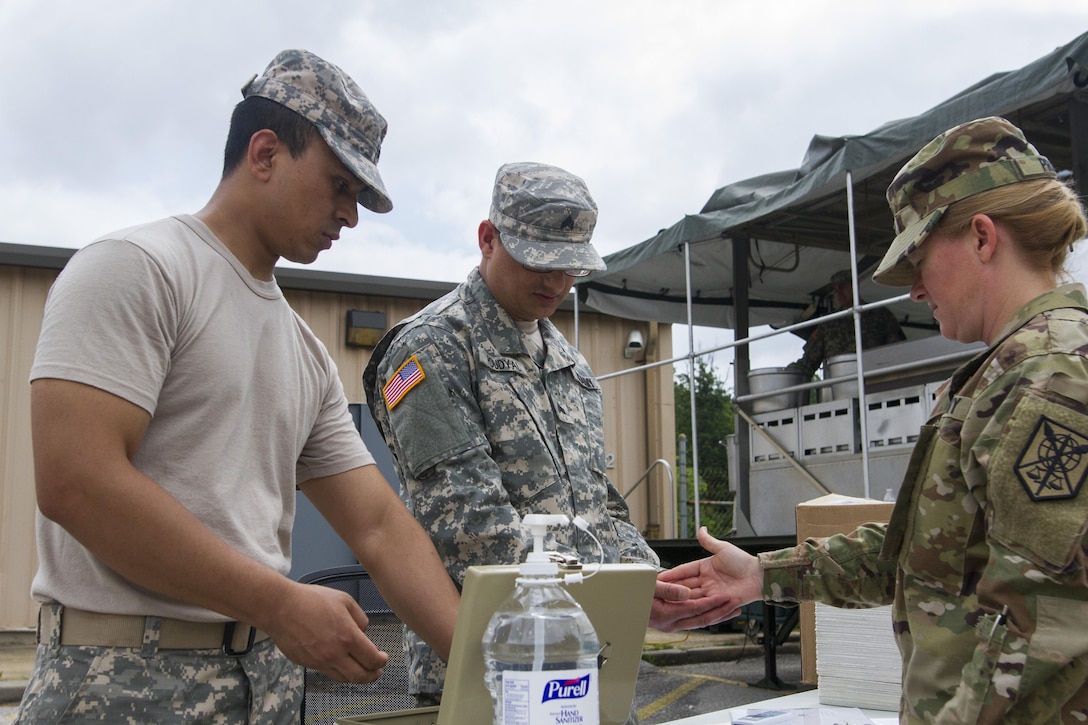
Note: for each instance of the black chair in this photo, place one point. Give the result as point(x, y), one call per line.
point(324, 700)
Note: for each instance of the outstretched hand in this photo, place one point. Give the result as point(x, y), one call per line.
point(716, 587)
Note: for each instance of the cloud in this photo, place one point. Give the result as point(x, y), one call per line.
point(115, 111)
point(656, 104)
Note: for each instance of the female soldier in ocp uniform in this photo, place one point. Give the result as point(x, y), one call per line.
point(984, 559)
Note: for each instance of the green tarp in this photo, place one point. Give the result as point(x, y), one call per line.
point(798, 221)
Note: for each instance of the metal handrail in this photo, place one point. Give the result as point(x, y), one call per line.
point(646, 474)
point(953, 357)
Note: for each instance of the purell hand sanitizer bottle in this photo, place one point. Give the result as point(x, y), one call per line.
point(540, 649)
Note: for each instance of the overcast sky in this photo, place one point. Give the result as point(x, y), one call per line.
point(114, 112)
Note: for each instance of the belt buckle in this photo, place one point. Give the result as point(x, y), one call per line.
point(228, 640)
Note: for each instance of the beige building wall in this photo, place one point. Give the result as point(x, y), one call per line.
point(639, 419)
point(22, 299)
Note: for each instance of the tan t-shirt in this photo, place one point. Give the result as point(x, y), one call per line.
point(245, 401)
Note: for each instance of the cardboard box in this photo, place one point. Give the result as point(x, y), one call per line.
point(825, 516)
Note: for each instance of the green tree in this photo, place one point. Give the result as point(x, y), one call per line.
point(715, 421)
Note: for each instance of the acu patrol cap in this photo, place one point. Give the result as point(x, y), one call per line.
point(971, 158)
point(327, 97)
point(545, 217)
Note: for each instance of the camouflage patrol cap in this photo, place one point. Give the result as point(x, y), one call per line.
point(843, 276)
point(971, 158)
point(327, 97)
point(545, 217)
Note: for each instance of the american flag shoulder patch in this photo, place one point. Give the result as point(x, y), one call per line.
point(408, 375)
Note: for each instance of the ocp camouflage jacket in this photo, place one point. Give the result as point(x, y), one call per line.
point(985, 556)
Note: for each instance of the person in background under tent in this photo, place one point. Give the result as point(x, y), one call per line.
point(836, 336)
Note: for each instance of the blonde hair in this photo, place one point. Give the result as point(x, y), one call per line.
point(1043, 216)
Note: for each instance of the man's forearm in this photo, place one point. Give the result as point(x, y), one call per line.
point(394, 549)
point(411, 578)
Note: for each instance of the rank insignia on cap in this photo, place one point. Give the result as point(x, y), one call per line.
point(1054, 462)
point(408, 375)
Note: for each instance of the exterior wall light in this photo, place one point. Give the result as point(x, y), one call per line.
point(364, 328)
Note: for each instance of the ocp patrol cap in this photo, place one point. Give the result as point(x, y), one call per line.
point(973, 157)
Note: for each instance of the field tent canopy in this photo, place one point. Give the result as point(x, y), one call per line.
point(794, 227)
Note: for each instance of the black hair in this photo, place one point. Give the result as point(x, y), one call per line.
point(257, 113)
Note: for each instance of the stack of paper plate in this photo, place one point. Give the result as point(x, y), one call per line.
point(857, 660)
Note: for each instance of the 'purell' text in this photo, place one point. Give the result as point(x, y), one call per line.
point(566, 689)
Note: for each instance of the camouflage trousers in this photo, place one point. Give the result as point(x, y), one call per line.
point(135, 686)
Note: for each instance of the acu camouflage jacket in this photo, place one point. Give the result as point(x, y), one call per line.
point(984, 559)
point(486, 436)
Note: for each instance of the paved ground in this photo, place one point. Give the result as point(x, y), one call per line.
point(681, 675)
point(710, 672)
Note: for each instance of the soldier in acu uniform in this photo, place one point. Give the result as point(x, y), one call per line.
point(177, 404)
point(489, 412)
point(984, 559)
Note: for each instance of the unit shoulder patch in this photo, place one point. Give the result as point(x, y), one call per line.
point(1053, 462)
point(407, 376)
